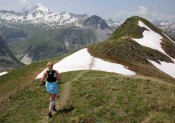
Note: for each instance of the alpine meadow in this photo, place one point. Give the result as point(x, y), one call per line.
point(120, 71)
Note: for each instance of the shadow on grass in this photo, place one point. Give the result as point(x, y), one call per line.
point(65, 110)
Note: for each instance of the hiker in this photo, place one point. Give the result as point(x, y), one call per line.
point(52, 77)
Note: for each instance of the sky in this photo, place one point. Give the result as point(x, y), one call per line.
point(115, 9)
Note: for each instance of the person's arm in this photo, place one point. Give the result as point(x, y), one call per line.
point(43, 77)
point(58, 76)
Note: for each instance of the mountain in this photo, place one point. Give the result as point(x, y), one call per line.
point(167, 27)
point(96, 22)
point(141, 47)
point(39, 14)
point(116, 80)
point(36, 33)
point(7, 59)
point(114, 24)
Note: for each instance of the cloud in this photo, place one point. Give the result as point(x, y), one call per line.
point(144, 12)
point(23, 2)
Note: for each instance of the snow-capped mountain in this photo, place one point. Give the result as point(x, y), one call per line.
point(112, 23)
point(34, 32)
point(40, 14)
point(167, 27)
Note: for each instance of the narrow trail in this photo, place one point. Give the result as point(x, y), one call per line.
point(63, 96)
point(66, 91)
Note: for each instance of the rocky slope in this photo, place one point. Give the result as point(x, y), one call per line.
point(7, 59)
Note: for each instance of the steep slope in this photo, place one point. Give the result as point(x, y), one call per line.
point(124, 47)
point(7, 59)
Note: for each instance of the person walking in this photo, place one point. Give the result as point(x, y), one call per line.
point(51, 85)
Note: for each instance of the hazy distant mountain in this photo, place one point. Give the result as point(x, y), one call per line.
point(7, 59)
point(39, 14)
point(167, 26)
point(96, 22)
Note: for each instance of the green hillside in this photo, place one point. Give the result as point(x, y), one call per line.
point(44, 42)
point(94, 97)
point(120, 48)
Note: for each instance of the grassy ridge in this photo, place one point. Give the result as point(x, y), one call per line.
point(111, 98)
point(96, 96)
point(120, 48)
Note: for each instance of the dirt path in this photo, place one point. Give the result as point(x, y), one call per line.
point(64, 95)
point(66, 91)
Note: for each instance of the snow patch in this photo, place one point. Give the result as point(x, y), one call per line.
point(3, 73)
point(153, 40)
point(82, 60)
point(102, 65)
point(150, 39)
point(168, 68)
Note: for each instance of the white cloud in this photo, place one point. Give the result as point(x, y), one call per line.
point(23, 2)
point(142, 10)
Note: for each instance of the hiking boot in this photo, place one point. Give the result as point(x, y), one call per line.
point(49, 114)
point(54, 108)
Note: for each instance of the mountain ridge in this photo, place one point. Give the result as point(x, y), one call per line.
point(122, 48)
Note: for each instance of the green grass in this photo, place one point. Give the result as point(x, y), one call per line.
point(108, 97)
point(24, 75)
point(29, 104)
point(95, 97)
point(44, 43)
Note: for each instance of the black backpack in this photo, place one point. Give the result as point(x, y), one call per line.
point(51, 77)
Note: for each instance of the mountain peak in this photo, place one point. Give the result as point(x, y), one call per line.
point(96, 21)
point(139, 45)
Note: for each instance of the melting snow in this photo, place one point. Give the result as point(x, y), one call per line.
point(3, 73)
point(150, 39)
point(153, 40)
point(168, 68)
point(82, 60)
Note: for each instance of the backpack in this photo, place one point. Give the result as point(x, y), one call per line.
point(51, 77)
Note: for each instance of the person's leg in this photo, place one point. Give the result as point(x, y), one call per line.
point(52, 102)
point(53, 96)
